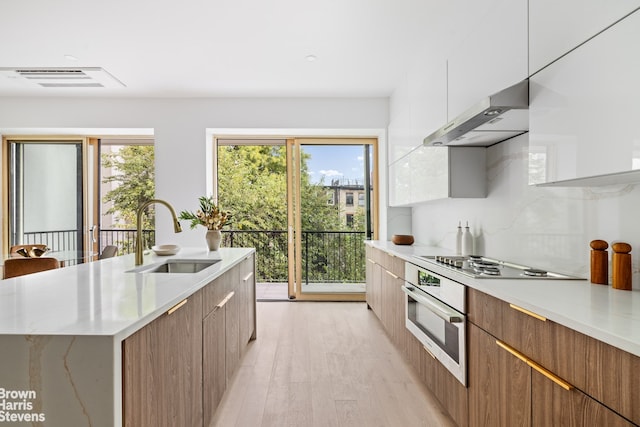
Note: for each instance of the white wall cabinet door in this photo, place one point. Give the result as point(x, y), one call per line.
point(418, 107)
point(556, 27)
point(400, 141)
point(400, 182)
point(584, 110)
point(433, 173)
point(491, 57)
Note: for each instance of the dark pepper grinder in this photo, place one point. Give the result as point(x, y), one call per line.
point(621, 264)
point(599, 262)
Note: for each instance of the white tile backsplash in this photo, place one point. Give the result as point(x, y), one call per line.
point(546, 227)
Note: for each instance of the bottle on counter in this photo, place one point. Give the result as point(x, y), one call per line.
point(467, 241)
point(599, 262)
point(459, 239)
point(621, 266)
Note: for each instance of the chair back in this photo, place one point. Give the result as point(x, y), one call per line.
point(109, 251)
point(14, 267)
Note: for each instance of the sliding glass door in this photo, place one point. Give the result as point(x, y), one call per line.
point(306, 205)
point(331, 215)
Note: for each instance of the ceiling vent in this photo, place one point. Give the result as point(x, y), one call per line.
point(86, 77)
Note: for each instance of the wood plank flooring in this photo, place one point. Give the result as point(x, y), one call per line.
point(325, 364)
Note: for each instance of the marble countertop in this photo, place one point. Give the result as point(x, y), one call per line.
point(102, 298)
point(604, 313)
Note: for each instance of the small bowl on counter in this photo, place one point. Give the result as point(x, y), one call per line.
point(165, 250)
point(402, 239)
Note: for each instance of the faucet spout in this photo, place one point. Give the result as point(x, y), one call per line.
point(139, 240)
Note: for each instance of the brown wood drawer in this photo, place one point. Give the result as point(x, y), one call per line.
point(389, 262)
point(219, 288)
point(485, 312)
point(602, 371)
point(374, 254)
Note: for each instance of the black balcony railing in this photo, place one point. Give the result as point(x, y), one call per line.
point(66, 240)
point(58, 240)
point(125, 239)
point(327, 256)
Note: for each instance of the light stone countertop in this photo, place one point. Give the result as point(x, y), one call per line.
point(101, 298)
point(604, 313)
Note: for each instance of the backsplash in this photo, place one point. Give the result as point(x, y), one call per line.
point(545, 227)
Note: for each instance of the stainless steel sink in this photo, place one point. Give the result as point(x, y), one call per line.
point(177, 266)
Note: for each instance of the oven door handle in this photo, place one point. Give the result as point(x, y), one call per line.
point(436, 307)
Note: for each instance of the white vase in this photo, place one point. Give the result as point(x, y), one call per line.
point(214, 237)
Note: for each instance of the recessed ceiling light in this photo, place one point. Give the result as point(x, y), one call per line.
point(310, 58)
point(70, 57)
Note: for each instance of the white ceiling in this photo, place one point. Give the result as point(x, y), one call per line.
point(216, 48)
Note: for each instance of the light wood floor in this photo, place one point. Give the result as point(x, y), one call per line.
point(324, 364)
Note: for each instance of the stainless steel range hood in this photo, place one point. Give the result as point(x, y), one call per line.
point(495, 118)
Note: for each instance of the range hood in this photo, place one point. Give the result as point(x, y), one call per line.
point(495, 118)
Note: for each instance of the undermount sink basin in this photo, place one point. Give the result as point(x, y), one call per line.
point(177, 266)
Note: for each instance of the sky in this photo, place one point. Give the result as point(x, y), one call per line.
point(335, 162)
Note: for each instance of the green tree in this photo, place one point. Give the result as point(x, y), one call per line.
point(252, 184)
point(134, 173)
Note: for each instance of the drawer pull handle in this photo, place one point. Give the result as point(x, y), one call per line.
point(226, 299)
point(527, 312)
point(513, 351)
point(544, 371)
point(177, 306)
point(553, 377)
point(428, 352)
point(391, 274)
point(247, 277)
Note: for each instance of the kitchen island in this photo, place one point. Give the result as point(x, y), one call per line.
point(64, 335)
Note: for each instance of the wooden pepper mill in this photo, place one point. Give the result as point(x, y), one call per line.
point(621, 265)
point(599, 262)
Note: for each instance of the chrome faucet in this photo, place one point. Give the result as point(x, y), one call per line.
point(139, 242)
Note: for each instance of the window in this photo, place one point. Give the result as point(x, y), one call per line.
point(349, 220)
point(360, 199)
point(331, 198)
point(349, 199)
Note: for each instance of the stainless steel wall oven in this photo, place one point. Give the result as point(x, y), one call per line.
point(435, 314)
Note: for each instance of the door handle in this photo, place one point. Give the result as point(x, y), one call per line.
point(436, 307)
point(544, 371)
point(177, 306)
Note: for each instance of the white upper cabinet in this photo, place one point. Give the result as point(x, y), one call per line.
point(399, 130)
point(399, 179)
point(418, 107)
point(584, 111)
point(491, 56)
point(556, 27)
point(432, 173)
point(428, 98)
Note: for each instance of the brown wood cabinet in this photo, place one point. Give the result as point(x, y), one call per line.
point(499, 383)
point(214, 369)
point(247, 290)
point(176, 369)
point(553, 406)
point(506, 386)
point(374, 286)
point(162, 369)
point(385, 276)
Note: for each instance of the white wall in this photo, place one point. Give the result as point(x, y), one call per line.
point(181, 126)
